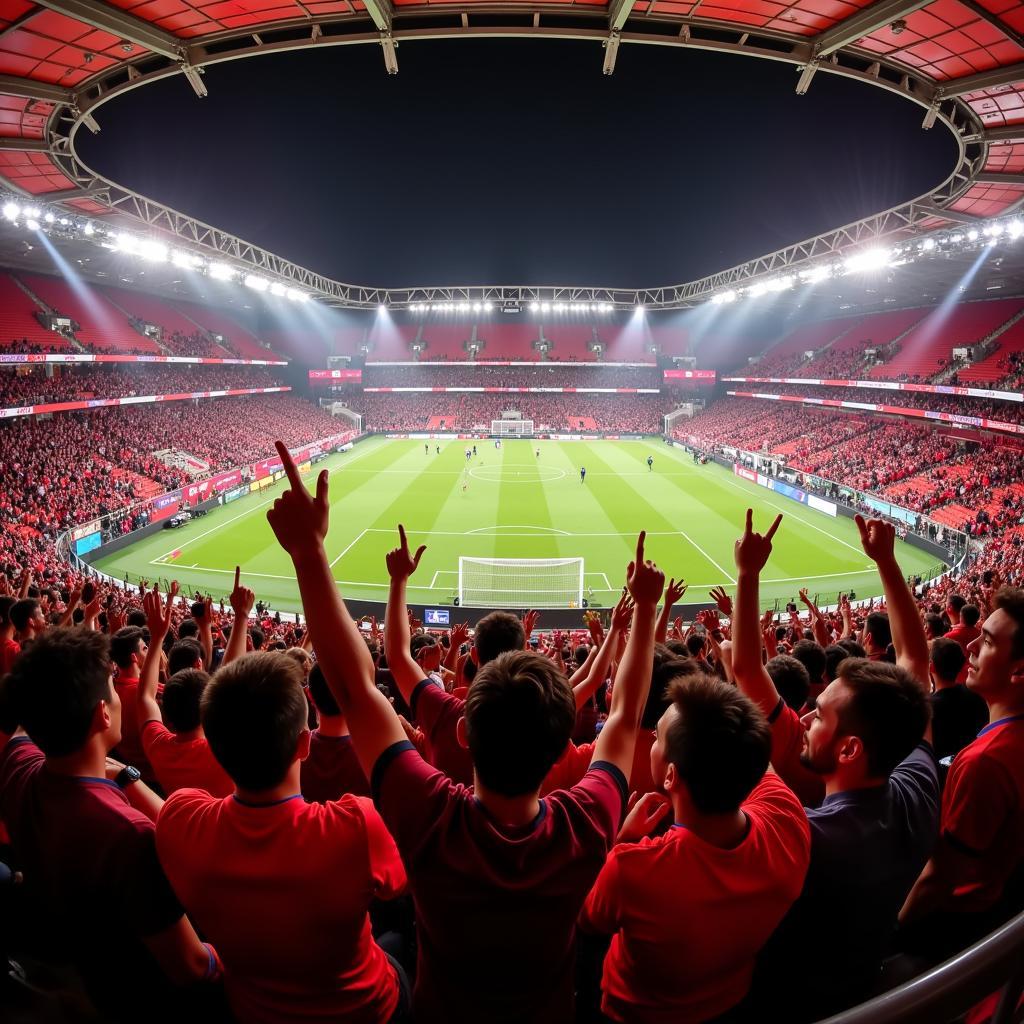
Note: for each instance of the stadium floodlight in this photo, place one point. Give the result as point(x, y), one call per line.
point(780, 284)
point(639, 308)
point(152, 250)
point(88, 229)
point(276, 288)
point(32, 211)
point(49, 218)
point(32, 224)
point(545, 307)
point(757, 289)
point(488, 306)
point(256, 283)
point(123, 242)
point(928, 244)
point(185, 260)
point(11, 211)
point(867, 260)
point(221, 272)
point(1015, 229)
point(64, 222)
point(534, 307)
point(295, 295)
point(815, 274)
point(972, 235)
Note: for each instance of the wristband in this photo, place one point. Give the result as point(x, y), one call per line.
point(214, 969)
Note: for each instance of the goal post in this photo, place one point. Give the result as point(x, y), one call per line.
point(672, 420)
point(511, 428)
point(521, 582)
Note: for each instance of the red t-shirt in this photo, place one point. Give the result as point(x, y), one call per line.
point(787, 742)
point(91, 871)
point(496, 906)
point(183, 764)
point(130, 749)
point(573, 765)
point(282, 890)
point(438, 714)
point(983, 811)
point(332, 770)
point(9, 650)
point(687, 918)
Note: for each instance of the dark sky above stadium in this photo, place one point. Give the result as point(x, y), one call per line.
point(518, 162)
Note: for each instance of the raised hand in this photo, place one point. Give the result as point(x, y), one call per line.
point(674, 591)
point(722, 600)
point(241, 598)
point(459, 635)
point(644, 580)
point(401, 564)
point(877, 537)
point(158, 615)
point(530, 620)
point(752, 549)
point(299, 520)
point(708, 618)
point(644, 814)
point(622, 613)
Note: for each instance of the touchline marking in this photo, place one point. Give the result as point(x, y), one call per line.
point(228, 522)
point(731, 579)
point(348, 549)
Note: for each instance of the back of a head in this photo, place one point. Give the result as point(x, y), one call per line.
point(956, 603)
point(253, 712)
point(667, 665)
point(56, 685)
point(496, 634)
point(852, 647)
point(182, 697)
point(188, 630)
point(22, 611)
point(420, 641)
point(520, 713)
point(791, 680)
point(935, 624)
point(969, 615)
point(258, 637)
point(124, 644)
point(695, 644)
point(719, 742)
point(811, 655)
point(6, 604)
point(137, 617)
point(886, 707)
point(184, 654)
point(321, 694)
point(947, 659)
point(877, 627)
point(1010, 600)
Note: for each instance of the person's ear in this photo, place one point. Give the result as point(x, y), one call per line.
point(672, 780)
point(851, 748)
point(302, 747)
point(1017, 672)
point(101, 718)
point(460, 733)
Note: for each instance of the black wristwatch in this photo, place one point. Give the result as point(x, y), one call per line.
point(127, 775)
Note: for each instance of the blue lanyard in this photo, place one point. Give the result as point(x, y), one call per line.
point(1002, 721)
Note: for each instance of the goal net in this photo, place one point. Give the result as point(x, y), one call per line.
point(673, 420)
point(521, 582)
point(511, 428)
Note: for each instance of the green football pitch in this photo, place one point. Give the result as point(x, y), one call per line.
point(513, 504)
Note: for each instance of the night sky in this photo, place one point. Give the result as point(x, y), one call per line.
point(518, 162)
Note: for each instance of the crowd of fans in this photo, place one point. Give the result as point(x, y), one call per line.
point(627, 414)
point(533, 375)
point(273, 822)
point(69, 384)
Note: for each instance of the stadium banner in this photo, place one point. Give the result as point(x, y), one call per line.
point(780, 487)
point(551, 364)
point(893, 511)
point(236, 492)
point(164, 506)
point(887, 385)
point(982, 422)
point(333, 375)
point(194, 493)
point(708, 375)
point(516, 391)
point(828, 507)
point(90, 542)
point(747, 474)
point(103, 403)
point(85, 529)
point(16, 358)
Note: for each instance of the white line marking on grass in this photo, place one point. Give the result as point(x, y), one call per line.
point(348, 549)
point(731, 579)
point(494, 529)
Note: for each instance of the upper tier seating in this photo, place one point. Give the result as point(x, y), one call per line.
point(18, 322)
point(239, 338)
point(101, 323)
point(997, 364)
point(152, 310)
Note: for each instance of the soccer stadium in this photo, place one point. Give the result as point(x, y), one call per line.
point(495, 651)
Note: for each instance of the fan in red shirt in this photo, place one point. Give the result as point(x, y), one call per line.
point(973, 881)
point(486, 866)
point(689, 911)
point(180, 756)
point(82, 829)
point(283, 886)
point(9, 647)
point(128, 651)
point(332, 769)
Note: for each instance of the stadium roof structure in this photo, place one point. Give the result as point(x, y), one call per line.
point(961, 61)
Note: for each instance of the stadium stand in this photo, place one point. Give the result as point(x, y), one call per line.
point(238, 339)
point(19, 329)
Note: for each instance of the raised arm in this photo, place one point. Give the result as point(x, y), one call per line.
point(617, 741)
point(751, 553)
point(879, 539)
point(299, 522)
point(158, 619)
point(242, 599)
point(597, 669)
point(402, 665)
point(205, 622)
point(673, 592)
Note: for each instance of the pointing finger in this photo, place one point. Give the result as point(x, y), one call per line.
point(289, 465)
point(640, 547)
point(238, 573)
point(774, 527)
point(401, 538)
point(750, 520)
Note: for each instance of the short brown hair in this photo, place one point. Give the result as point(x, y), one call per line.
point(496, 634)
point(520, 713)
point(254, 711)
point(719, 742)
point(1011, 601)
point(887, 709)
